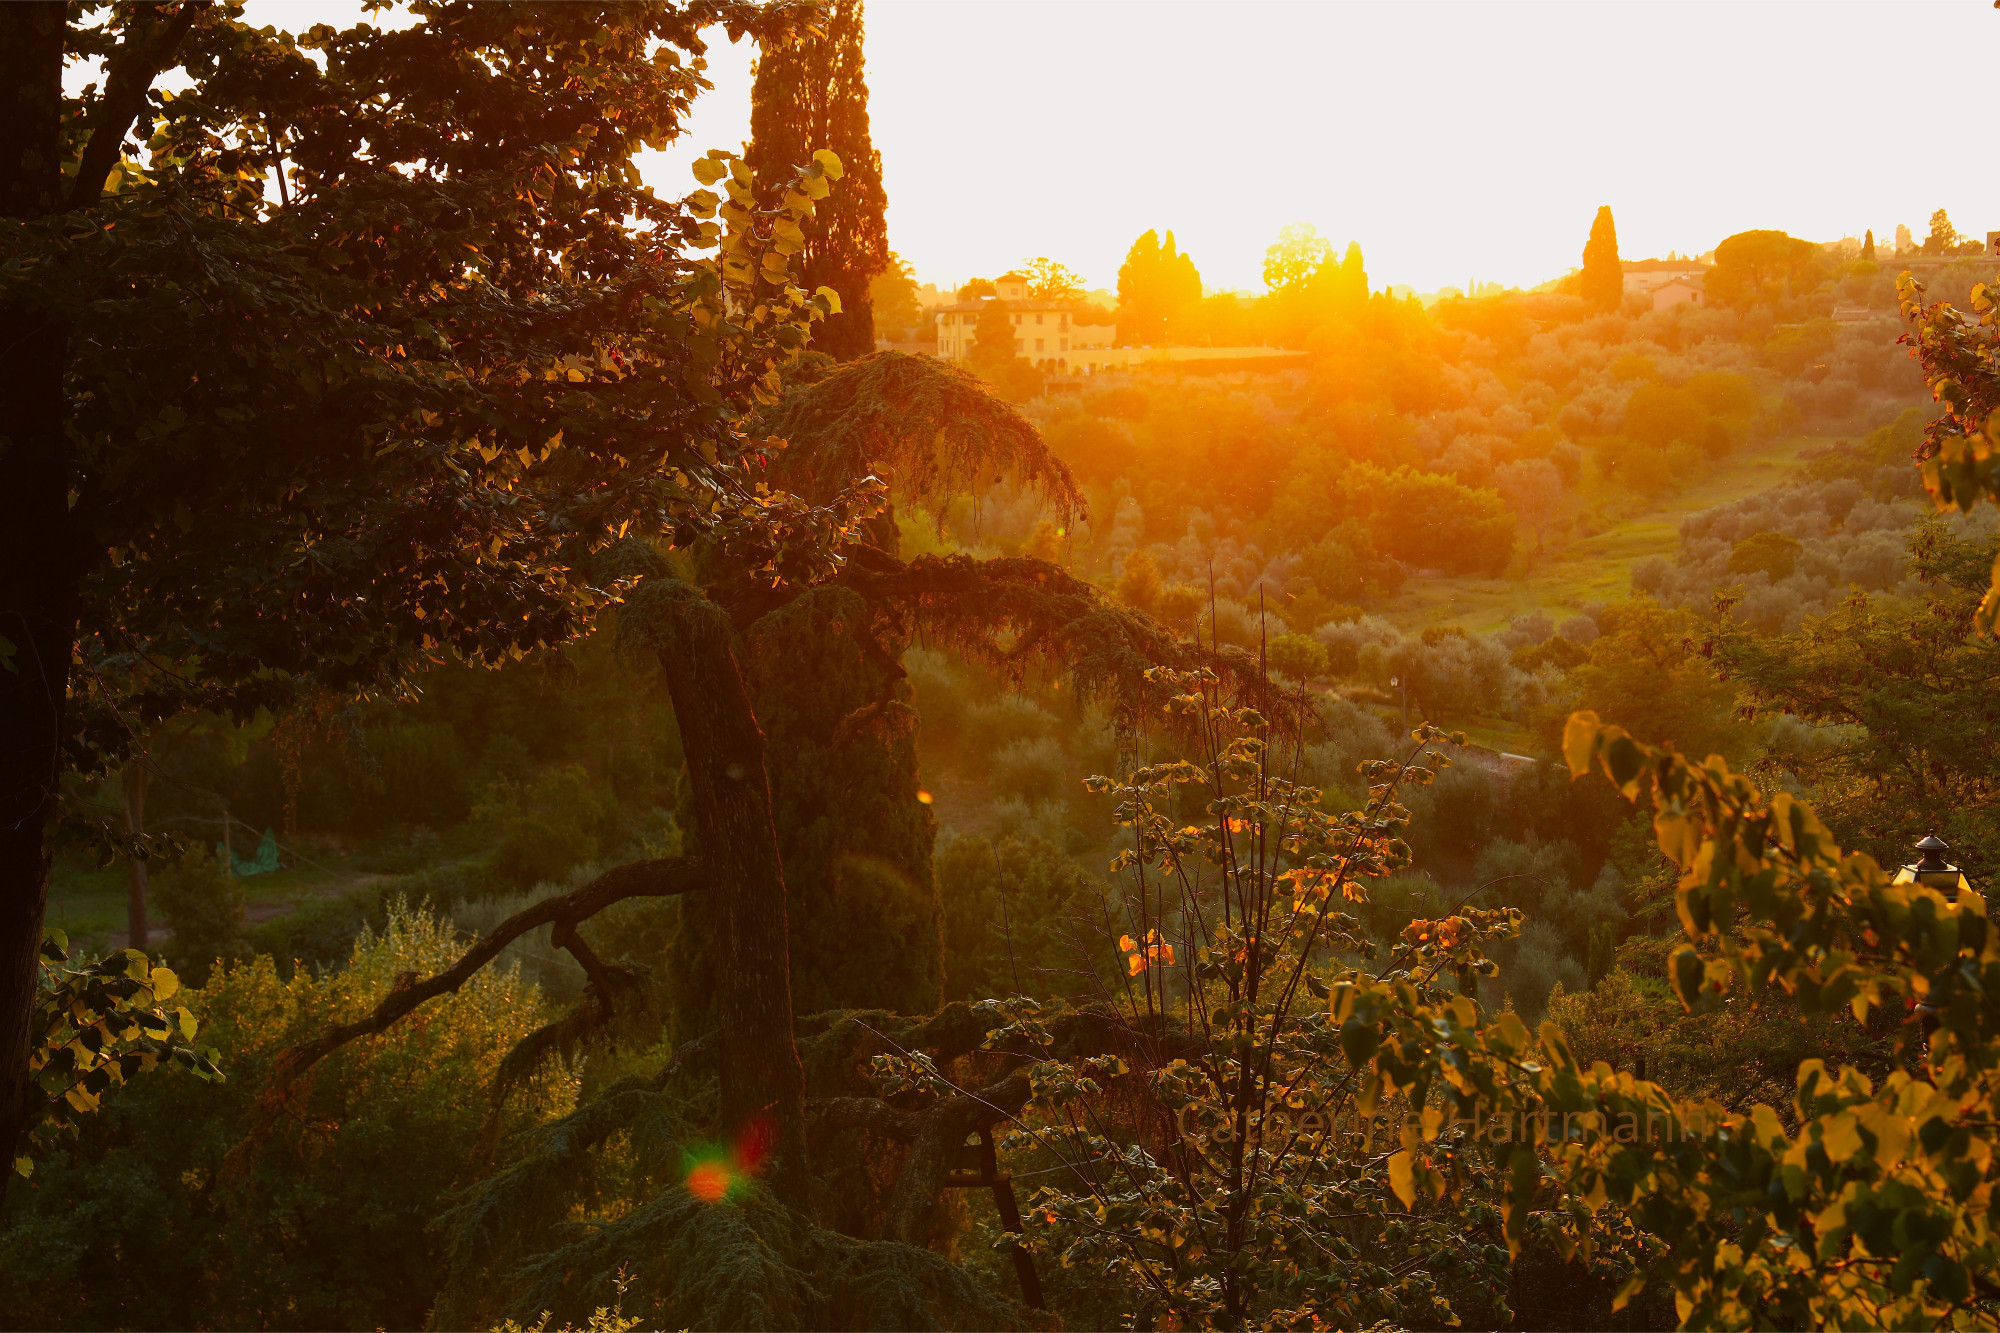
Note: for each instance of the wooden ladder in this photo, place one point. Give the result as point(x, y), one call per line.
point(978, 1168)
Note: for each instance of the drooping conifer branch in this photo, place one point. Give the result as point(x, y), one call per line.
point(931, 430)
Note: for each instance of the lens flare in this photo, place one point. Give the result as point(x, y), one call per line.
point(709, 1181)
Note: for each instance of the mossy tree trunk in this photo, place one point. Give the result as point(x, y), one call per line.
point(763, 1084)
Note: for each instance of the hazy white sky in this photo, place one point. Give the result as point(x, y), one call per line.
point(1453, 140)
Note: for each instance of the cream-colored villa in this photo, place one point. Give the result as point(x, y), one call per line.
point(1045, 332)
point(1049, 334)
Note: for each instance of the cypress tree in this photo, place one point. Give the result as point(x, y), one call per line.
point(812, 93)
point(1603, 279)
point(1868, 246)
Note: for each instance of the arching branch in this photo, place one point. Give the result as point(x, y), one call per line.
point(1016, 611)
point(660, 878)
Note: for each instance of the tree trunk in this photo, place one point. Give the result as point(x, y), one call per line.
point(37, 549)
point(135, 782)
point(763, 1083)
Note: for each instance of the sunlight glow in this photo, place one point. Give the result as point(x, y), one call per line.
point(1454, 141)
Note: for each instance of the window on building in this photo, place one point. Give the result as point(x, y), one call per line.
point(1017, 319)
point(1062, 345)
point(1038, 344)
point(1038, 319)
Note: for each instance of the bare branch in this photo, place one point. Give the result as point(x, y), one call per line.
point(660, 878)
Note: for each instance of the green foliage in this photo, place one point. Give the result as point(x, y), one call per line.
point(1050, 281)
point(994, 342)
point(1647, 671)
point(1763, 268)
point(862, 907)
point(203, 906)
point(542, 831)
point(1603, 279)
point(665, 1255)
point(810, 96)
point(1181, 1185)
point(1659, 417)
point(1770, 553)
point(892, 294)
point(930, 430)
point(323, 1223)
point(1432, 522)
point(95, 1027)
point(1298, 656)
point(428, 305)
point(1020, 918)
point(1864, 1203)
point(1157, 285)
point(414, 773)
point(1961, 364)
point(1903, 689)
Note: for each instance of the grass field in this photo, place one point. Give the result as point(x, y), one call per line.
point(1596, 568)
point(89, 904)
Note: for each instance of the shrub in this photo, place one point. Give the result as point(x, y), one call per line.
point(1299, 656)
point(1011, 717)
point(325, 1224)
point(1016, 917)
point(203, 907)
point(1769, 553)
point(413, 773)
point(1031, 770)
point(562, 821)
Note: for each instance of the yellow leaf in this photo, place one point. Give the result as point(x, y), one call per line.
point(1402, 1177)
point(1840, 1135)
point(1580, 735)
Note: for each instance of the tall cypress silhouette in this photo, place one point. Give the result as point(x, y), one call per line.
point(1603, 279)
point(812, 93)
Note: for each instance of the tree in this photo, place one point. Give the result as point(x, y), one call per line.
point(1943, 236)
point(1298, 253)
point(1534, 491)
point(1603, 277)
point(1904, 691)
point(1764, 268)
point(811, 93)
point(1868, 246)
point(1961, 366)
point(893, 295)
point(994, 342)
point(412, 400)
point(1647, 670)
point(1774, 908)
point(1050, 281)
point(1156, 286)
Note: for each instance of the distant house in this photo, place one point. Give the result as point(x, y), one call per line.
point(1649, 275)
point(1045, 332)
point(1679, 291)
point(1051, 334)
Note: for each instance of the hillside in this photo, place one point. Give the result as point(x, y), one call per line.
point(1597, 568)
